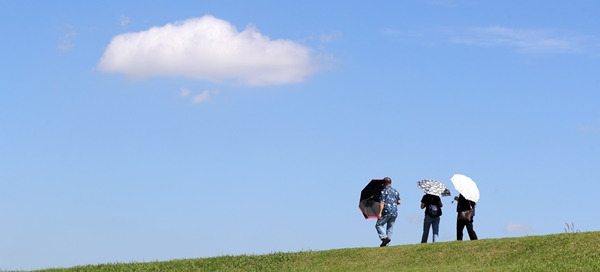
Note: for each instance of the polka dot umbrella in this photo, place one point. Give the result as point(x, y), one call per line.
point(433, 187)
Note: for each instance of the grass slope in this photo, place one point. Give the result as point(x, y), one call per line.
point(557, 252)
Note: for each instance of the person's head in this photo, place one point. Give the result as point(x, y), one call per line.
point(387, 181)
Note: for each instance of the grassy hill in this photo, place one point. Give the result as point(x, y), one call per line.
point(557, 252)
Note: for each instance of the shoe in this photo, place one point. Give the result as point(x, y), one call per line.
point(385, 242)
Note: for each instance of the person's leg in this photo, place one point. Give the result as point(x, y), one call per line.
point(460, 225)
point(436, 228)
point(471, 231)
point(390, 227)
point(379, 226)
point(426, 224)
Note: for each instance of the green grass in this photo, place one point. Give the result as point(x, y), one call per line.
point(558, 252)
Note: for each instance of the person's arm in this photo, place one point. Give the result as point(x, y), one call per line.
point(422, 205)
point(381, 204)
point(441, 204)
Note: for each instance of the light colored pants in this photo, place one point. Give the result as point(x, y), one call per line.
point(434, 222)
point(385, 226)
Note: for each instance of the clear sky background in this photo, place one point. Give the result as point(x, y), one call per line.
point(158, 130)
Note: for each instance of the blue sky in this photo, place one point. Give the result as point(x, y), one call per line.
point(158, 130)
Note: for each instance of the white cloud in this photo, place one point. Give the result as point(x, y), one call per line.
point(524, 41)
point(124, 20)
point(590, 127)
point(208, 48)
point(513, 227)
point(66, 41)
point(184, 92)
point(331, 37)
point(204, 96)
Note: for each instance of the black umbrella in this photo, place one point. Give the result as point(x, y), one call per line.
point(369, 198)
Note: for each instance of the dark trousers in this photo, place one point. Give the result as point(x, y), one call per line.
point(460, 225)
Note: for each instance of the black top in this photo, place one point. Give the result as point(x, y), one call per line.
point(429, 199)
point(465, 204)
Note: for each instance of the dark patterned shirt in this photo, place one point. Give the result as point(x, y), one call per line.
point(390, 197)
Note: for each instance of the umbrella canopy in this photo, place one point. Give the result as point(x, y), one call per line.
point(369, 198)
point(465, 186)
point(433, 187)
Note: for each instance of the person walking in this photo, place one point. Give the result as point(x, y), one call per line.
point(465, 205)
point(433, 210)
point(388, 211)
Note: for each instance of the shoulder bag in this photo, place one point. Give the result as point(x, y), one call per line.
point(466, 215)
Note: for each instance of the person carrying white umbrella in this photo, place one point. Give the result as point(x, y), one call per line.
point(469, 195)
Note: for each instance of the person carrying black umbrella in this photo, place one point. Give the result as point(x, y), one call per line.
point(388, 212)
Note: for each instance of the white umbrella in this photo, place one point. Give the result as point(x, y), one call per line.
point(465, 186)
point(433, 187)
